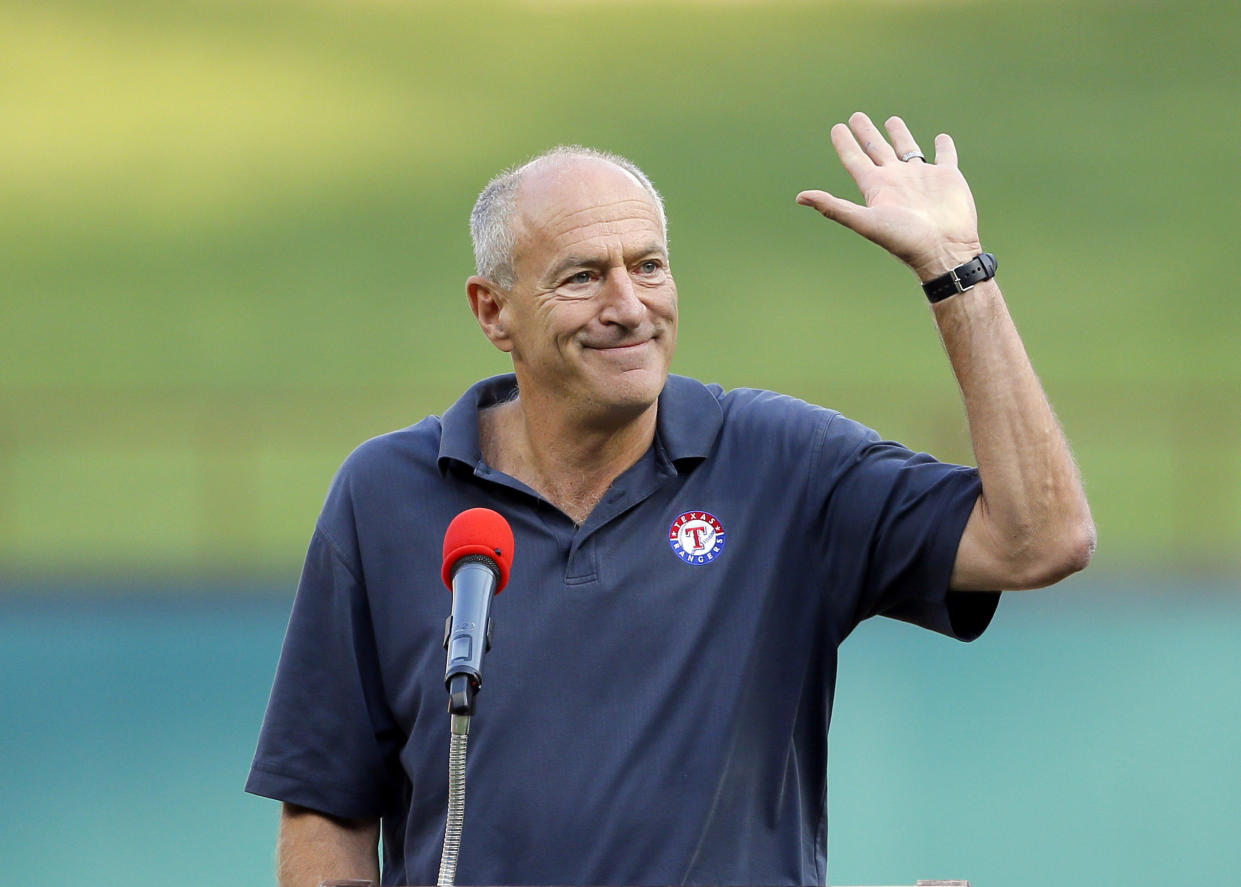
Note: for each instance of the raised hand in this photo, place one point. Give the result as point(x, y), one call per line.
point(923, 213)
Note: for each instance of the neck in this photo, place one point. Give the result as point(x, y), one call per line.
point(570, 460)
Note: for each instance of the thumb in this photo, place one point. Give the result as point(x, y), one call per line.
point(845, 212)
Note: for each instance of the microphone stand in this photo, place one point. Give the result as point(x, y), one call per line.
point(463, 687)
point(474, 540)
point(456, 800)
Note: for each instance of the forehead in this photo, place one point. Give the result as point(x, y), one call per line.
point(578, 202)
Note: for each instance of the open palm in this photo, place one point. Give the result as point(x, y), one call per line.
point(923, 213)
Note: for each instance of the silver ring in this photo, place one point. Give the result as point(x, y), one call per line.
point(910, 155)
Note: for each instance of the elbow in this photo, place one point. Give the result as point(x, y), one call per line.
point(1087, 543)
point(1077, 552)
point(1067, 553)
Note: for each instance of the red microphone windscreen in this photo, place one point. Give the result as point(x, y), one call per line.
point(478, 531)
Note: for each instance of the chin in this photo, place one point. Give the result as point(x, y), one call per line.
point(632, 392)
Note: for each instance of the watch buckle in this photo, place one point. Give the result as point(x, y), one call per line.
point(956, 281)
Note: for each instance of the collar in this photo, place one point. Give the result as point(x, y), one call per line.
point(688, 422)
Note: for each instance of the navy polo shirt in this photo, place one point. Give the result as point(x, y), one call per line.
point(656, 705)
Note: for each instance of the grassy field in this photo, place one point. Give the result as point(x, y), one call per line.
point(233, 239)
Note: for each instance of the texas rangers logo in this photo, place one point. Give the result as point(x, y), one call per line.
point(696, 537)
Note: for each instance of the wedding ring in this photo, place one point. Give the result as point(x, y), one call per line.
point(910, 155)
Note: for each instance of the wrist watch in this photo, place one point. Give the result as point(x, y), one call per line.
point(960, 278)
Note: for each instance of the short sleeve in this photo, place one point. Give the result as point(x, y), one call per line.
point(328, 740)
point(903, 514)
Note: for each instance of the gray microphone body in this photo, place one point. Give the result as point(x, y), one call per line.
point(467, 635)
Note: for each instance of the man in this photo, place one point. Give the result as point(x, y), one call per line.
point(687, 560)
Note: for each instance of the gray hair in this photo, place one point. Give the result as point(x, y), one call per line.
point(491, 219)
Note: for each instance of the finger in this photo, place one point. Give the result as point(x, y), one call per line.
point(903, 143)
point(945, 150)
point(849, 151)
point(847, 213)
point(872, 141)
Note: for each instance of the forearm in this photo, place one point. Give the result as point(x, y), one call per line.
point(1032, 524)
point(313, 848)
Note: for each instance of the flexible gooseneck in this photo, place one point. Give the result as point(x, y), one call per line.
point(456, 801)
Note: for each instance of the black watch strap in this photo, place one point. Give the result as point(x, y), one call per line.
point(961, 278)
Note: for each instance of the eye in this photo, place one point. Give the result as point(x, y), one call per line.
point(650, 266)
point(581, 277)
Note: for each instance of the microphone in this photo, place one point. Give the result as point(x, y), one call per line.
point(478, 552)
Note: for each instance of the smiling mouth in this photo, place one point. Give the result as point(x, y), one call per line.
point(621, 346)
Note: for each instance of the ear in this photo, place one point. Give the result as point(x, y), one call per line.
point(488, 301)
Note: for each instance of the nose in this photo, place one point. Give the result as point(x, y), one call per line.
point(621, 303)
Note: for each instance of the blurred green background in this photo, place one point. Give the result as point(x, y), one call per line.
point(233, 245)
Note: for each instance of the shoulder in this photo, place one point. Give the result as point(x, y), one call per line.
point(376, 460)
point(772, 416)
point(379, 471)
point(758, 425)
point(762, 406)
point(689, 401)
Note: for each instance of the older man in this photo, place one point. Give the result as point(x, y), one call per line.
point(688, 560)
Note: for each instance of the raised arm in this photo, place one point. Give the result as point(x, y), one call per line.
point(313, 847)
point(1031, 525)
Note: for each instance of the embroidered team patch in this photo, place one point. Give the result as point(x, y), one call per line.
point(696, 537)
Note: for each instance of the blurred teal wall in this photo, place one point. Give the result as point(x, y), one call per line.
point(1088, 738)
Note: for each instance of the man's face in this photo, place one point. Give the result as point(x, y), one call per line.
point(592, 318)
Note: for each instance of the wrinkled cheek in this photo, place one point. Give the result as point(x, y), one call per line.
point(671, 310)
point(672, 323)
